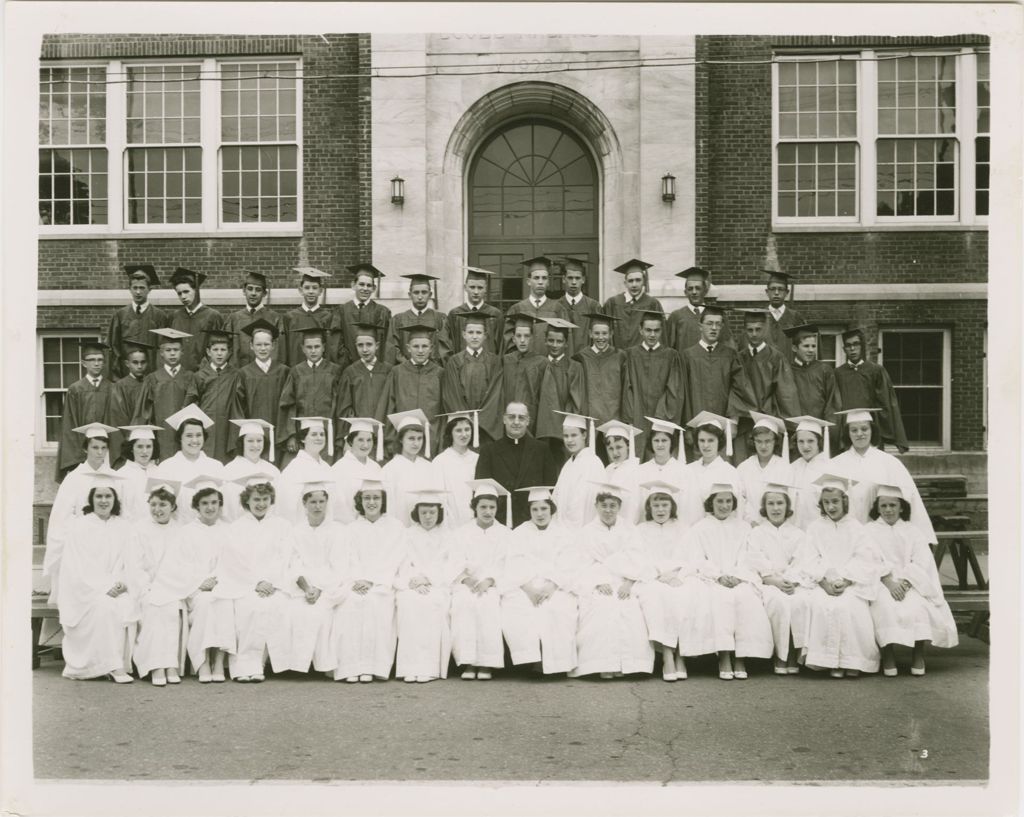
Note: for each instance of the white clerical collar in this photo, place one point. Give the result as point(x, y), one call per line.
point(705, 346)
point(777, 313)
point(263, 364)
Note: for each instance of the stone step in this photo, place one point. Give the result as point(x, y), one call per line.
point(951, 486)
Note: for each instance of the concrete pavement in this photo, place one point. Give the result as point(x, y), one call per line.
point(525, 728)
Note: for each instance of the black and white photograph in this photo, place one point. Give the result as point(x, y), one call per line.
point(570, 403)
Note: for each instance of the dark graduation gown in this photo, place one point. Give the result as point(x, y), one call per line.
point(193, 349)
point(605, 380)
point(309, 392)
point(123, 396)
point(371, 313)
point(771, 382)
point(561, 388)
point(327, 319)
point(579, 338)
point(516, 465)
point(816, 389)
point(682, 330)
point(159, 397)
point(258, 395)
point(83, 403)
point(626, 330)
point(714, 381)
point(126, 324)
point(475, 383)
point(359, 390)
point(869, 386)
point(215, 394)
point(548, 309)
point(495, 326)
point(520, 381)
point(777, 333)
point(394, 349)
point(241, 352)
point(655, 389)
point(409, 387)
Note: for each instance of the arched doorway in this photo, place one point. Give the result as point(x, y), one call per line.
point(532, 189)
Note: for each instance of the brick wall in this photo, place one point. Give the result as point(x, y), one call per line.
point(336, 168)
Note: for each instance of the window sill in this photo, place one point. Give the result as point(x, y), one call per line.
point(879, 228)
point(121, 236)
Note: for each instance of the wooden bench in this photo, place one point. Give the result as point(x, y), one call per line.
point(965, 598)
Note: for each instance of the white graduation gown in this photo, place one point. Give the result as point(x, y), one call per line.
point(738, 617)
point(805, 508)
point(182, 470)
point(627, 475)
point(476, 619)
point(292, 481)
point(256, 550)
point(232, 491)
point(455, 470)
point(211, 620)
point(363, 630)
point(612, 634)
point(672, 472)
point(574, 492)
point(424, 629)
point(772, 551)
point(544, 633)
point(840, 634)
point(923, 614)
point(753, 478)
point(702, 477)
point(875, 468)
point(134, 500)
point(97, 631)
point(402, 476)
point(349, 473)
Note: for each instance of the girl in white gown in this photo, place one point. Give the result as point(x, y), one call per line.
point(741, 627)
point(423, 590)
point(256, 440)
point(773, 548)
point(478, 553)
point(140, 462)
point(539, 613)
point(910, 609)
point(612, 636)
point(846, 564)
point(623, 466)
point(190, 425)
point(364, 450)
point(408, 470)
point(456, 465)
point(97, 608)
point(363, 631)
point(713, 435)
point(768, 463)
point(575, 490)
point(667, 464)
point(810, 435)
point(309, 465)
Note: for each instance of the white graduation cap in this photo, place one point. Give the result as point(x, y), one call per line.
point(204, 481)
point(726, 486)
point(254, 478)
point(190, 412)
point(309, 487)
point(538, 493)
point(414, 417)
point(140, 432)
point(370, 426)
point(167, 334)
point(709, 418)
point(617, 428)
point(104, 478)
point(835, 481)
point(324, 423)
point(666, 427)
point(778, 488)
point(660, 486)
point(774, 424)
point(820, 427)
point(260, 427)
point(473, 415)
point(91, 430)
point(858, 415)
point(491, 488)
point(172, 486)
point(890, 492)
point(426, 496)
point(613, 488)
point(312, 272)
point(371, 483)
point(581, 421)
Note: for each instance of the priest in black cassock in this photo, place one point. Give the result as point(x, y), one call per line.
point(87, 401)
point(781, 316)
point(477, 283)
point(213, 389)
point(683, 328)
point(516, 460)
point(363, 311)
point(255, 290)
point(628, 307)
point(576, 304)
point(815, 381)
point(473, 378)
point(194, 318)
point(133, 322)
point(261, 382)
point(864, 384)
point(654, 381)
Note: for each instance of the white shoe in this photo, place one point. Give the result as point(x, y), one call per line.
point(120, 677)
point(410, 679)
point(726, 675)
point(681, 675)
point(469, 675)
point(853, 673)
point(352, 679)
point(607, 675)
point(740, 675)
point(918, 671)
point(669, 676)
point(780, 671)
point(365, 679)
point(793, 670)
point(258, 679)
point(217, 677)
point(835, 673)
point(173, 677)
point(205, 676)
point(890, 672)
point(425, 679)
point(158, 682)
point(483, 675)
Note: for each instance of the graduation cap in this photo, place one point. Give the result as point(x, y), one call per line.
point(479, 273)
point(582, 422)
point(617, 428)
point(141, 432)
point(524, 319)
point(312, 274)
point(835, 481)
point(254, 478)
point(724, 424)
point(257, 426)
point(324, 423)
point(539, 262)
point(92, 430)
point(172, 486)
point(633, 264)
point(261, 324)
point(883, 491)
point(778, 275)
point(775, 425)
point(754, 315)
point(371, 482)
point(308, 326)
point(613, 488)
point(147, 271)
point(420, 278)
point(415, 418)
point(804, 330)
point(571, 262)
point(723, 486)
point(778, 488)
point(190, 412)
point(473, 415)
point(560, 325)
point(92, 347)
point(369, 425)
point(367, 267)
point(317, 485)
point(854, 333)
point(820, 427)
point(183, 275)
point(492, 489)
point(138, 344)
point(473, 317)
point(203, 481)
point(427, 496)
point(670, 428)
point(601, 317)
point(694, 272)
point(104, 478)
point(858, 415)
point(366, 329)
point(169, 335)
point(712, 310)
point(218, 336)
point(538, 493)
point(418, 328)
point(660, 486)
point(253, 277)
point(650, 314)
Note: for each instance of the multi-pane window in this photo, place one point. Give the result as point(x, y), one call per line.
point(72, 139)
point(830, 346)
point(917, 361)
point(201, 145)
point(61, 360)
point(876, 137)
